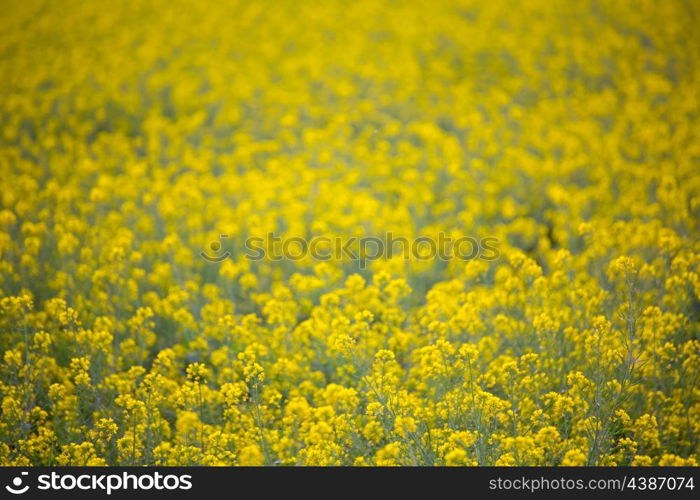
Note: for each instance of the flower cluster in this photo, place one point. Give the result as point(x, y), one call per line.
point(133, 134)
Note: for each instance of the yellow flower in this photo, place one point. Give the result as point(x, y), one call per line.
point(251, 455)
point(403, 426)
point(414, 233)
point(574, 457)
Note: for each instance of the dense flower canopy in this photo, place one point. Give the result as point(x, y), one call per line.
point(135, 133)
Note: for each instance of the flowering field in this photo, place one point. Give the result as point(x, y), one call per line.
point(134, 134)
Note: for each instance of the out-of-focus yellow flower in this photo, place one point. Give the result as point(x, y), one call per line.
point(531, 170)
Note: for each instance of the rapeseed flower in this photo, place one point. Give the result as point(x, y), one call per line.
point(139, 137)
